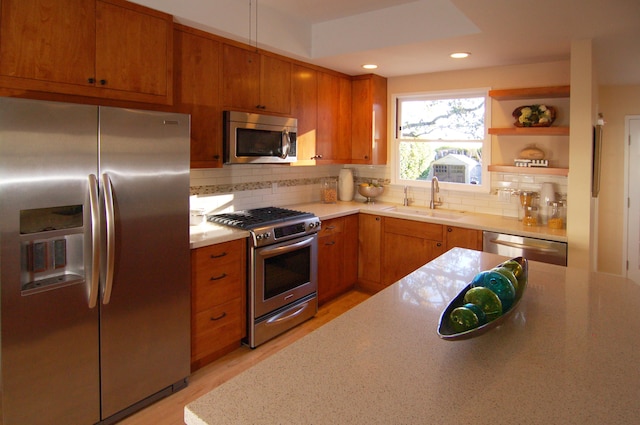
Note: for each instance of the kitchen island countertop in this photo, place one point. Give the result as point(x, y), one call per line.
point(569, 354)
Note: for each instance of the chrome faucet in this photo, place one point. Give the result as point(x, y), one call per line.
point(406, 198)
point(435, 188)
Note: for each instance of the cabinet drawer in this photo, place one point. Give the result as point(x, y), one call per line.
point(332, 226)
point(419, 229)
point(216, 328)
point(213, 256)
point(224, 284)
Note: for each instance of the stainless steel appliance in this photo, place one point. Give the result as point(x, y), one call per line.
point(283, 268)
point(95, 309)
point(530, 248)
point(257, 138)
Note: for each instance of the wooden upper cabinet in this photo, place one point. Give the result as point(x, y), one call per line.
point(134, 49)
point(197, 92)
point(48, 42)
point(369, 120)
point(304, 107)
point(333, 142)
point(255, 82)
point(98, 48)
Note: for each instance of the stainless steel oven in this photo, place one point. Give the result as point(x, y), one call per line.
point(284, 284)
point(283, 268)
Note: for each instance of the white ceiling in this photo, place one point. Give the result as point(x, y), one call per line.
point(407, 37)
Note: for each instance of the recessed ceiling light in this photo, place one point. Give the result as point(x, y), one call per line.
point(369, 66)
point(459, 55)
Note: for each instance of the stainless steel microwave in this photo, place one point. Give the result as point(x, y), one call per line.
point(259, 139)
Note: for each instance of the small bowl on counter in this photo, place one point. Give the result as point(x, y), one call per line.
point(370, 191)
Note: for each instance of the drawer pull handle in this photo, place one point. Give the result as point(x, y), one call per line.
point(224, 313)
point(330, 228)
point(219, 255)
point(330, 243)
point(222, 276)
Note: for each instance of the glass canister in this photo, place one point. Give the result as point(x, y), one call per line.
point(530, 216)
point(329, 190)
point(557, 215)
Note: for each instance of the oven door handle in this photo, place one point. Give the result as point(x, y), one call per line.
point(287, 314)
point(272, 251)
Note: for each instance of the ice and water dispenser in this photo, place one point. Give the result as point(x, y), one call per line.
point(51, 249)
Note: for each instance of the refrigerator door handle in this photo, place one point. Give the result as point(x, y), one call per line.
point(111, 238)
point(95, 240)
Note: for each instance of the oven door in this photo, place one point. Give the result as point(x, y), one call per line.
point(283, 273)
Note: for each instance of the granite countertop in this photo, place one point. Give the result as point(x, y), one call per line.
point(209, 233)
point(569, 354)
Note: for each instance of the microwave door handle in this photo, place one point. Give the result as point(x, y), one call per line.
point(286, 144)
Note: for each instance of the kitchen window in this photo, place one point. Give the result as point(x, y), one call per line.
point(443, 134)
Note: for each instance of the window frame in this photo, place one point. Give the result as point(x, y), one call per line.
point(485, 186)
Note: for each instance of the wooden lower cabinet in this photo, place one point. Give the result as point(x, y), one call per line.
point(369, 252)
point(390, 248)
point(218, 300)
point(408, 245)
point(337, 257)
point(463, 238)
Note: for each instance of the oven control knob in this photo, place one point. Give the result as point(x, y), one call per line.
point(266, 235)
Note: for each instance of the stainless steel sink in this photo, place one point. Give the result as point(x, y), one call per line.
point(426, 212)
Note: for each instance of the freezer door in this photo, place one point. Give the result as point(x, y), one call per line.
point(49, 366)
point(145, 310)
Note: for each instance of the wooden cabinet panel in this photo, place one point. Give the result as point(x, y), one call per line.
point(218, 300)
point(408, 245)
point(241, 78)
point(48, 44)
point(99, 48)
point(275, 85)
point(333, 143)
point(369, 120)
point(369, 252)
point(197, 89)
point(255, 82)
point(337, 257)
point(134, 50)
point(304, 106)
point(463, 238)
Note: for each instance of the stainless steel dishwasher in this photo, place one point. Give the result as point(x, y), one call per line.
point(530, 248)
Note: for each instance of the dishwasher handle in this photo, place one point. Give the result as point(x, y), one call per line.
point(523, 246)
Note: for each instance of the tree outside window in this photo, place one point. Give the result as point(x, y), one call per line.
point(442, 135)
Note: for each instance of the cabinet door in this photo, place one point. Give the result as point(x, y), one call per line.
point(48, 41)
point(330, 257)
point(134, 49)
point(197, 87)
point(275, 85)
point(240, 78)
point(408, 245)
point(369, 120)
point(304, 106)
point(350, 258)
point(334, 118)
point(369, 251)
point(463, 238)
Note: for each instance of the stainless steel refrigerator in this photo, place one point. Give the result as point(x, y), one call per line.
point(94, 260)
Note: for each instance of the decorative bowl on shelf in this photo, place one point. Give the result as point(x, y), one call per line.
point(370, 192)
point(534, 116)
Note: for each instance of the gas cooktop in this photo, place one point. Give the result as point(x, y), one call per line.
point(259, 217)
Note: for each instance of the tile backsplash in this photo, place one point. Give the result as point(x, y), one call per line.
point(236, 187)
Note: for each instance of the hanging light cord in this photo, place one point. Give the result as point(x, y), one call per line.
point(250, 23)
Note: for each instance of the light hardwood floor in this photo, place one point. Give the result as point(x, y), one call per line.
point(170, 411)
